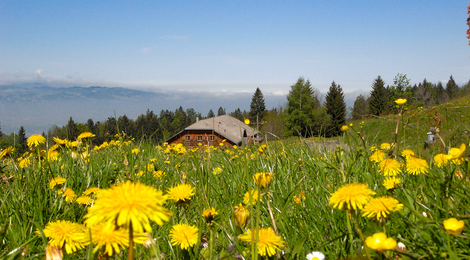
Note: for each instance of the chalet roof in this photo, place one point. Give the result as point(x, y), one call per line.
point(225, 125)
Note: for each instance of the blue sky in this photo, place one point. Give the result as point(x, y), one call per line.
point(232, 45)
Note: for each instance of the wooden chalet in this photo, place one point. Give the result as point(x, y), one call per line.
point(212, 131)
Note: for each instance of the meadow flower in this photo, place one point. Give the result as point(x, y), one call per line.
point(344, 128)
point(400, 101)
point(268, 242)
point(84, 200)
point(85, 135)
point(380, 207)
point(129, 202)
point(64, 233)
point(390, 167)
point(56, 181)
point(390, 182)
point(24, 163)
point(458, 174)
point(407, 153)
point(68, 194)
point(181, 192)
point(158, 174)
point(184, 235)
point(209, 214)
point(454, 226)
point(59, 141)
point(7, 151)
point(385, 146)
point(379, 242)
point(378, 156)
point(241, 215)
point(440, 160)
point(35, 141)
point(297, 200)
point(247, 121)
point(263, 179)
point(354, 195)
point(105, 236)
point(316, 255)
point(455, 153)
point(92, 190)
point(135, 151)
point(415, 166)
point(216, 170)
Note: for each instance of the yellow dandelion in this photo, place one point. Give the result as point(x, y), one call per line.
point(415, 166)
point(380, 207)
point(184, 235)
point(7, 151)
point(129, 202)
point(407, 153)
point(344, 128)
point(297, 200)
point(59, 141)
point(379, 242)
point(56, 181)
point(458, 174)
point(181, 192)
point(24, 163)
point(84, 200)
point(150, 167)
point(263, 179)
point(268, 242)
point(373, 148)
point(63, 233)
point(105, 236)
point(247, 121)
point(390, 182)
point(390, 167)
point(216, 171)
point(92, 190)
point(354, 195)
point(385, 146)
point(440, 160)
point(455, 153)
point(158, 174)
point(68, 194)
point(35, 141)
point(85, 135)
point(241, 215)
point(251, 197)
point(209, 214)
point(378, 156)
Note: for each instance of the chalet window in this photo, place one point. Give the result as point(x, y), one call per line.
point(200, 138)
point(187, 138)
point(212, 138)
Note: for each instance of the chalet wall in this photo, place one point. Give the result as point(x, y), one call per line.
point(191, 138)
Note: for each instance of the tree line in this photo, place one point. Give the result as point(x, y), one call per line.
point(305, 113)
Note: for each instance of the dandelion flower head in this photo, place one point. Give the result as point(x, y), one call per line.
point(263, 179)
point(344, 128)
point(35, 141)
point(390, 182)
point(84, 200)
point(92, 190)
point(181, 192)
point(85, 135)
point(241, 215)
point(440, 160)
point(385, 146)
point(56, 181)
point(65, 233)
point(105, 235)
point(415, 166)
point(184, 235)
point(354, 195)
point(7, 151)
point(380, 207)
point(129, 202)
point(209, 214)
point(251, 197)
point(247, 121)
point(390, 167)
point(407, 153)
point(268, 241)
point(378, 156)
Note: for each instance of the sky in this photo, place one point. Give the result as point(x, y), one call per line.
point(232, 46)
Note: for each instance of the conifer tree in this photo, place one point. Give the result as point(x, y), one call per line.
point(452, 88)
point(72, 131)
point(336, 108)
point(22, 140)
point(257, 106)
point(378, 97)
point(221, 111)
point(210, 114)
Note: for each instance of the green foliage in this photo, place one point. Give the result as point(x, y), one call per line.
point(301, 104)
point(360, 108)
point(452, 88)
point(336, 108)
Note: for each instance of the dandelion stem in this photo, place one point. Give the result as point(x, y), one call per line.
point(356, 223)
point(130, 255)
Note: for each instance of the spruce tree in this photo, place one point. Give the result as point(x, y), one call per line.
point(22, 141)
point(378, 97)
point(210, 114)
point(72, 130)
point(336, 108)
point(257, 106)
point(452, 88)
point(221, 111)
